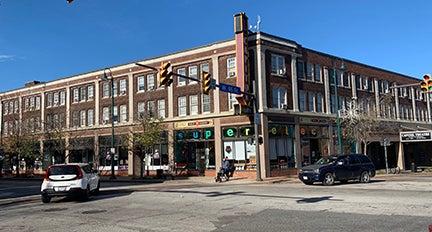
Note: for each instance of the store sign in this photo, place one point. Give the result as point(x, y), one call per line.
point(229, 132)
point(196, 134)
point(277, 130)
point(415, 136)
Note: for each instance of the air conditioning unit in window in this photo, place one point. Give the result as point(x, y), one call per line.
point(123, 92)
point(104, 122)
point(231, 74)
point(284, 106)
point(281, 71)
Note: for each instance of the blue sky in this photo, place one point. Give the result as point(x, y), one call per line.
point(51, 39)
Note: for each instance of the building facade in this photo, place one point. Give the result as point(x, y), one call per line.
point(70, 118)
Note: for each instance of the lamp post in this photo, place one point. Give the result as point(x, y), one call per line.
point(338, 123)
point(112, 150)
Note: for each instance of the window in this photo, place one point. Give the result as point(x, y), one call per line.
point(278, 65)
point(204, 68)
point(123, 86)
point(302, 100)
point(205, 103)
point(105, 115)
point(151, 108)
point(49, 101)
point(278, 95)
point(11, 107)
point(75, 119)
point(141, 83)
point(182, 106)
point(123, 113)
point(56, 99)
point(90, 117)
point(309, 71)
point(83, 95)
point(161, 108)
point(76, 95)
point(115, 114)
point(231, 67)
point(193, 104)
point(319, 103)
point(317, 73)
point(231, 101)
point(311, 97)
point(115, 88)
point(6, 108)
point(90, 91)
point(346, 80)
point(141, 110)
point(193, 73)
point(38, 103)
point(106, 89)
point(150, 82)
point(16, 106)
point(62, 98)
point(181, 80)
point(82, 117)
point(26, 105)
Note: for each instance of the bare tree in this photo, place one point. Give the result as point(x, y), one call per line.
point(150, 133)
point(358, 124)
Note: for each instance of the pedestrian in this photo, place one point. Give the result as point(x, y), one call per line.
point(226, 166)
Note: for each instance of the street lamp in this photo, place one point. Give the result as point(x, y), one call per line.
point(338, 123)
point(112, 150)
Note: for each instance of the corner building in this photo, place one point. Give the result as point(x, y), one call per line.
point(296, 99)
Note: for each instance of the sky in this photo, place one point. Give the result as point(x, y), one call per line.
point(46, 40)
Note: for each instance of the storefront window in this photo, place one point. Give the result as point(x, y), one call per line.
point(281, 145)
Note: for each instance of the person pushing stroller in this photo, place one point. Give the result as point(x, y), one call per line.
point(224, 171)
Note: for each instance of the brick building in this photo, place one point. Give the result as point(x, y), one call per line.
point(70, 118)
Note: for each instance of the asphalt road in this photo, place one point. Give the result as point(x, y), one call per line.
point(399, 203)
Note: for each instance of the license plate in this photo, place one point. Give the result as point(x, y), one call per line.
point(305, 177)
point(61, 188)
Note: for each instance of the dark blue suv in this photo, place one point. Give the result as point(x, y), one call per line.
point(338, 168)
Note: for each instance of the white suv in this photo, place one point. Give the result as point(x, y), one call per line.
point(73, 179)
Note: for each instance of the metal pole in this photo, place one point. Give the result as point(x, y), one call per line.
point(112, 177)
point(385, 153)
point(337, 111)
point(257, 121)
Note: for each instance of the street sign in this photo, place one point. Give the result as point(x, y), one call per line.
point(229, 88)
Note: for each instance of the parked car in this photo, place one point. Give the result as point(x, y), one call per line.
point(338, 168)
point(73, 179)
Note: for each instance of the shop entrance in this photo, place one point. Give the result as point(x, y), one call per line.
point(197, 155)
point(311, 151)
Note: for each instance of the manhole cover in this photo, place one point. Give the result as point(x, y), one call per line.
point(55, 209)
point(94, 211)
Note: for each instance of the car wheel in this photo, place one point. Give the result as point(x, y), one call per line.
point(329, 179)
point(86, 194)
point(46, 199)
point(365, 177)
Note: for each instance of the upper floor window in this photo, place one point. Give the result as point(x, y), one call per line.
point(83, 118)
point(141, 110)
point(161, 108)
point(319, 103)
point(151, 108)
point(105, 114)
point(302, 100)
point(205, 103)
point(231, 67)
point(317, 73)
point(300, 69)
point(76, 95)
point(16, 106)
point(278, 65)
point(115, 88)
point(311, 101)
point(62, 98)
point(193, 73)
point(83, 95)
point(278, 97)
point(182, 106)
point(193, 104)
point(90, 117)
point(205, 67)
point(309, 71)
point(90, 92)
point(49, 101)
point(106, 89)
point(181, 80)
point(150, 82)
point(123, 113)
point(346, 79)
point(56, 99)
point(123, 86)
point(141, 86)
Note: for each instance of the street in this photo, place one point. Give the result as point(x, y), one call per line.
point(399, 203)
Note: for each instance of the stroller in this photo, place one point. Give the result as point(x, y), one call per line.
point(222, 174)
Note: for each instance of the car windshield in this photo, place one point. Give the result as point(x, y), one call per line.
point(63, 170)
point(326, 160)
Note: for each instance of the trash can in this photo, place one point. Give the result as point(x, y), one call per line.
point(413, 167)
point(159, 173)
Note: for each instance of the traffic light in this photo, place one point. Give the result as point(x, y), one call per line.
point(206, 83)
point(426, 84)
point(165, 74)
